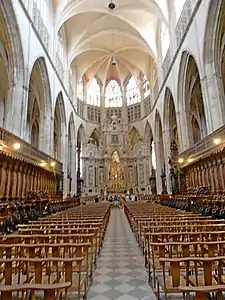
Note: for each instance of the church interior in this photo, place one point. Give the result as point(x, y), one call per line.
point(112, 149)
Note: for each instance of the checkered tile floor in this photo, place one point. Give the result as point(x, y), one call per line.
point(120, 273)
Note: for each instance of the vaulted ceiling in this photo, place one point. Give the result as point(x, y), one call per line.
point(94, 35)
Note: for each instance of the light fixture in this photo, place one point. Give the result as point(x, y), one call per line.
point(111, 5)
point(43, 164)
point(180, 160)
point(217, 141)
point(52, 164)
point(113, 61)
point(190, 160)
point(16, 146)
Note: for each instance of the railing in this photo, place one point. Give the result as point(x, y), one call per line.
point(26, 151)
point(204, 147)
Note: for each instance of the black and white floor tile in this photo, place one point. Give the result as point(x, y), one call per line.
point(120, 273)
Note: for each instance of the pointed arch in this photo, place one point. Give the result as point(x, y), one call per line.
point(39, 105)
point(71, 156)
point(148, 132)
point(113, 94)
point(213, 38)
point(191, 98)
point(214, 59)
point(133, 94)
point(170, 118)
point(59, 127)
point(160, 155)
point(71, 126)
point(12, 70)
point(150, 147)
point(94, 137)
point(94, 93)
point(81, 139)
point(81, 135)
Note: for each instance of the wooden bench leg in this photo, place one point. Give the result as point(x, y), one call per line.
point(49, 295)
point(6, 296)
point(202, 296)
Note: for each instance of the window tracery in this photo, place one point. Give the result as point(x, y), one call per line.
point(146, 86)
point(165, 39)
point(80, 91)
point(113, 94)
point(43, 7)
point(132, 92)
point(94, 93)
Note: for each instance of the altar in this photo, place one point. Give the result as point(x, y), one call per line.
point(114, 164)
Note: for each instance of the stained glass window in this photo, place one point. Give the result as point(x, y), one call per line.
point(113, 94)
point(94, 93)
point(80, 91)
point(146, 86)
point(132, 92)
point(165, 39)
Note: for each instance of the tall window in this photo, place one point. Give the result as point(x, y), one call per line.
point(94, 94)
point(165, 39)
point(113, 94)
point(178, 5)
point(80, 91)
point(132, 92)
point(146, 86)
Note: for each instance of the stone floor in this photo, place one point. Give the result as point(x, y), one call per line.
point(120, 273)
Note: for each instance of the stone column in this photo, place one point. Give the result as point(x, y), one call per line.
point(166, 143)
point(183, 133)
point(158, 167)
point(213, 95)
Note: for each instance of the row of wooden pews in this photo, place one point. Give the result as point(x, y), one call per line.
point(53, 257)
point(184, 252)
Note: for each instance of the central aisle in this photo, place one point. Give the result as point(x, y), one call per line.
point(120, 272)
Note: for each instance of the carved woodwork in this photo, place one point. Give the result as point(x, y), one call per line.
point(207, 172)
point(18, 176)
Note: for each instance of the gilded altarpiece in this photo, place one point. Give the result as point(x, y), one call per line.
point(113, 165)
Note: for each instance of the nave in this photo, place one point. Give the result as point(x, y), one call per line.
point(120, 272)
point(145, 251)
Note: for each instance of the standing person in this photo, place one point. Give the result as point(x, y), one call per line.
point(133, 197)
point(11, 222)
point(116, 200)
point(121, 202)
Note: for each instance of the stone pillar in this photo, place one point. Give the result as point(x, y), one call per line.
point(213, 95)
point(166, 144)
point(158, 168)
point(102, 108)
point(183, 133)
point(14, 121)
